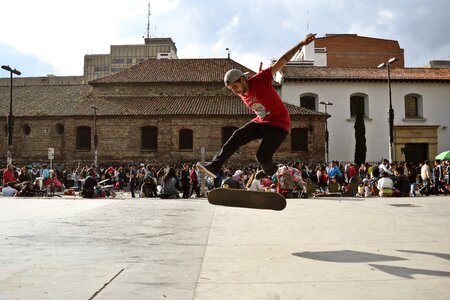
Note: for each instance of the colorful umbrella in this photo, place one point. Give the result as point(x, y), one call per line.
point(443, 156)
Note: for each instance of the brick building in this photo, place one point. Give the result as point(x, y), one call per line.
point(351, 51)
point(158, 111)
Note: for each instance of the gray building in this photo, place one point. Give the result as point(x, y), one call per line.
point(122, 57)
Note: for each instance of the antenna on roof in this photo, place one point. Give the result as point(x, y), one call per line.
point(307, 22)
point(148, 21)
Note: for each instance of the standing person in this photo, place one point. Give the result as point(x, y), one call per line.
point(412, 178)
point(194, 181)
point(439, 179)
point(272, 121)
point(185, 182)
point(425, 174)
point(384, 166)
point(45, 174)
point(132, 182)
point(334, 171)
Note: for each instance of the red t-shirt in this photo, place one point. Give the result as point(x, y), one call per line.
point(9, 176)
point(265, 101)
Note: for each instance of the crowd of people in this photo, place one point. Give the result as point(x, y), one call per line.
point(184, 180)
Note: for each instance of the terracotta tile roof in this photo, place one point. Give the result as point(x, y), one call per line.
point(183, 105)
point(175, 70)
point(46, 100)
point(301, 73)
point(75, 100)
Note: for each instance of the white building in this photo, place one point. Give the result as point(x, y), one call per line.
point(420, 99)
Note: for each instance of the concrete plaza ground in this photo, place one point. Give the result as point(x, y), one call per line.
point(374, 248)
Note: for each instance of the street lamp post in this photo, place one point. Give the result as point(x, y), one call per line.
point(327, 153)
point(95, 108)
point(391, 110)
point(10, 121)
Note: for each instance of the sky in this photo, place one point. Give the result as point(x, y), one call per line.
point(52, 36)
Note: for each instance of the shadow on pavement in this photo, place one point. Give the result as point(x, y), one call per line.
point(408, 272)
point(440, 255)
point(347, 256)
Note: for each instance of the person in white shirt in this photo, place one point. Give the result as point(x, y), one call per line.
point(256, 185)
point(384, 167)
point(385, 185)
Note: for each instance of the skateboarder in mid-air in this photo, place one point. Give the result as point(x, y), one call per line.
point(272, 121)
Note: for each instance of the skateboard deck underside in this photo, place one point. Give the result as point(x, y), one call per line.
point(247, 199)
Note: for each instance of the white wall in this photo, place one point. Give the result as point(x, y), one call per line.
point(436, 111)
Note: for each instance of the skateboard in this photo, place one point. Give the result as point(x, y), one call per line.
point(246, 199)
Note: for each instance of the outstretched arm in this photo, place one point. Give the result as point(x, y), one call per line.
point(283, 60)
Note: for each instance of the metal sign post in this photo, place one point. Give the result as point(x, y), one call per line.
point(51, 156)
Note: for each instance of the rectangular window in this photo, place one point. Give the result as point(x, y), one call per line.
point(83, 138)
point(101, 69)
point(356, 104)
point(149, 138)
point(115, 70)
point(411, 110)
point(299, 139)
point(118, 60)
point(185, 139)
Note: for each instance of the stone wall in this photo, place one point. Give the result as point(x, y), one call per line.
point(120, 140)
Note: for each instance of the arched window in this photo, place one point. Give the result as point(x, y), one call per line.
point(26, 129)
point(299, 139)
point(413, 106)
point(83, 138)
point(308, 101)
point(357, 102)
point(186, 139)
point(227, 132)
point(149, 138)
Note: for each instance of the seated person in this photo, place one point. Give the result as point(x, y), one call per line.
point(367, 187)
point(25, 190)
point(385, 185)
point(169, 185)
point(148, 188)
point(89, 187)
point(9, 190)
point(401, 184)
point(231, 183)
point(266, 182)
point(333, 185)
point(255, 184)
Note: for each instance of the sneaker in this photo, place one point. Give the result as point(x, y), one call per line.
point(205, 170)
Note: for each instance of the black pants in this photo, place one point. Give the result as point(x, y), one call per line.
point(271, 139)
point(132, 188)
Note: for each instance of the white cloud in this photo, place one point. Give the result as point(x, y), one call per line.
point(385, 16)
point(61, 32)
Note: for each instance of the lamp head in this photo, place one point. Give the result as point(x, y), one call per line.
point(8, 68)
point(392, 60)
